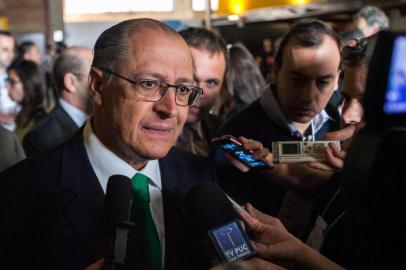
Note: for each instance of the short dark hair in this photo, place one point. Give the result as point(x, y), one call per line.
point(6, 33)
point(373, 15)
point(306, 33)
point(204, 39)
point(67, 62)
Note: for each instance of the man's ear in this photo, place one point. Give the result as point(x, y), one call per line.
point(69, 81)
point(96, 85)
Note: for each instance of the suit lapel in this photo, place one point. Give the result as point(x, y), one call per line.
point(173, 211)
point(84, 211)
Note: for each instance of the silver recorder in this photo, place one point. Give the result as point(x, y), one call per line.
point(300, 151)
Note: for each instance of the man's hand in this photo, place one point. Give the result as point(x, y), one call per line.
point(271, 239)
point(335, 157)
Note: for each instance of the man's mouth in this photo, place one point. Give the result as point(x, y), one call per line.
point(158, 131)
point(304, 111)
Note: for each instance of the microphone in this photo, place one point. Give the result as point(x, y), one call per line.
point(117, 208)
point(211, 212)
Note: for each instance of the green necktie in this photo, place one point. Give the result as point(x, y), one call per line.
point(146, 242)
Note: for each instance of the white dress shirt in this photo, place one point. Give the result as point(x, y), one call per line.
point(77, 115)
point(105, 164)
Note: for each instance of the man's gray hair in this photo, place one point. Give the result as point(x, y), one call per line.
point(112, 46)
point(68, 62)
point(373, 15)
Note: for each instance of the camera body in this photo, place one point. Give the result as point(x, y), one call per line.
point(300, 151)
point(385, 96)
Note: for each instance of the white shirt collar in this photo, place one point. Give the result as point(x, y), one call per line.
point(274, 111)
point(77, 115)
point(105, 163)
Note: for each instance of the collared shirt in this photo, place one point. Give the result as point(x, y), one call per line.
point(105, 164)
point(274, 111)
point(77, 115)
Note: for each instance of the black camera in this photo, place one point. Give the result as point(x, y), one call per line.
point(385, 96)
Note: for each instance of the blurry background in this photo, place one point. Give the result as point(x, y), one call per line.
point(79, 22)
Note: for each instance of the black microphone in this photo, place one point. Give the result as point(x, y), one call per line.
point(212, 214)
point(117, 208)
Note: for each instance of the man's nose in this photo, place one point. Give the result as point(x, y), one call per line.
point(167, 105)
point(308, 94)
point(352, 112)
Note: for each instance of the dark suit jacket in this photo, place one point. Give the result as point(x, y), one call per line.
point(11, 151)
point(51, 210)
point(51, 131)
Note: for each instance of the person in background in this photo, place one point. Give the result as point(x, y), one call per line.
point(370, 20)
point(294, 108)
point(265, 58)
point(26, 87)
point(71, 72)
point(60, 46)
point(209, 53)
point(8, 108)
point(11, 150)
point(28, 50)
point(244, 81)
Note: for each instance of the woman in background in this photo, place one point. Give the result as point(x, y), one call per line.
point(244, 81)
point(26, 87)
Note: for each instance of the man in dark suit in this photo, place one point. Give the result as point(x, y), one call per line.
point(141, 84)
point(70, 72)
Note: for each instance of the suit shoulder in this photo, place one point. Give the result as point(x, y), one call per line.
point(179, 155)
point(41, 128)
point(35, 166)
point(190, 166)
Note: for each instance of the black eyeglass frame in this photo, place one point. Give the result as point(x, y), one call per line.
point(196, 89)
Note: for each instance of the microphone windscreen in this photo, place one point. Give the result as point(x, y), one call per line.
point(118, 200)
point(208, 206)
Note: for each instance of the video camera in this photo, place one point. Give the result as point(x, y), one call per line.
point(385, 96)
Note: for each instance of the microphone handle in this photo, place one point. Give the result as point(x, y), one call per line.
point(120, 243)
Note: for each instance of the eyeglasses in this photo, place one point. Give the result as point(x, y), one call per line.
point(154, 90)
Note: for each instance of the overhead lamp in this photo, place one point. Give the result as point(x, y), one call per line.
point(233, 17)
point(299, 2)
